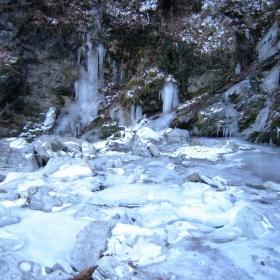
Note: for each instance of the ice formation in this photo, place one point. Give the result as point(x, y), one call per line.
point(80, 114)
point(169, 96)
point(136, 113)
point(86, 88)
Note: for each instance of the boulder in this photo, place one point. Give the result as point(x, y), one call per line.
point(16, 155)
point(45, 198)
point(251, 223)
point(179, 136)
point(50, 146)
point(153, 149)
point(142, 139)
point(91, 241)
point(66, 167)
point(142, 245)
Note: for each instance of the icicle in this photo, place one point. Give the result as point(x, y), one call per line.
point(261, 119)
point(132, 113)
point(219, 125)
point(101, 56)
point(136, 113)
point(169, 96)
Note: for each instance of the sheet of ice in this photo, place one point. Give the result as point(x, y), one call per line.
point(154, 206)
point(48, 236)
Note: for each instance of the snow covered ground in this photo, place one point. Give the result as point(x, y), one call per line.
point(168, 223)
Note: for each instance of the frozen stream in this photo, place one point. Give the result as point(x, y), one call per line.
point(167, 224)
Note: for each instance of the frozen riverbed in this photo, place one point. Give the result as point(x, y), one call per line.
point(166, 221)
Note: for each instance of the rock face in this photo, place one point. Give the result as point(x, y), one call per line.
point(16, 155)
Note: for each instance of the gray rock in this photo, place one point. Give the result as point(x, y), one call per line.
point(153, 149)
point(111, 268)
point(16, 155)
point(45, 198)
point(210, 182)
point(63, 266)
point(91, 240)
point(51, 146)
point(195, 177)
point(46, 147)
point(176, 135)
point(199, 83)
point(142, 139)
point(6, 217)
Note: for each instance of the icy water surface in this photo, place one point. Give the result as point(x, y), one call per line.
point(166, 227)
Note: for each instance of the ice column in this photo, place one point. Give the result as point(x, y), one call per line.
point(136, 113)
point(86, 88)
point(169, 96)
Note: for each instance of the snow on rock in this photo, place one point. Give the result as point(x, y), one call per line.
point(140, 245)
point(16, 155)
point(238, 92)
point(140, 218)
point(141, 141)
point(199, 152)
point(271, 81)
point(268, 45)
point(46, 198)
point(112, 268)
point(10, 242)
point(180, 136)
point(6, 217)
point(65, 166)
point(251, 223)
point(50, 118)
point(91, 241)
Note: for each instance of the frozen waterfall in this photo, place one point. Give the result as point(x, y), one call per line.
point(78, 115)
point(86, 88)
point(169, 96)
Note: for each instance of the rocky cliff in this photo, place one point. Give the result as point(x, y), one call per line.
point(222, 56)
